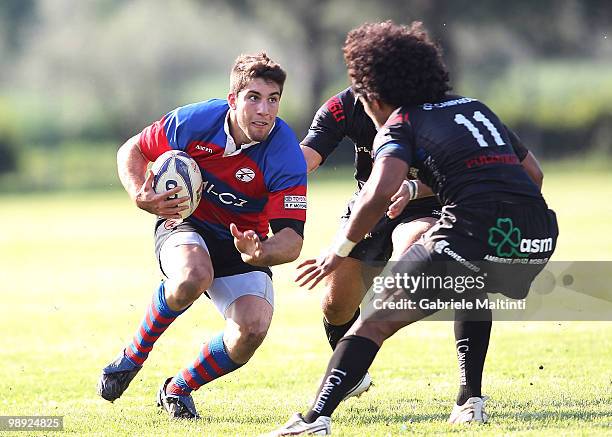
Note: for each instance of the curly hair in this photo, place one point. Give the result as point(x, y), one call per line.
point(249, 67)
point(396, 64)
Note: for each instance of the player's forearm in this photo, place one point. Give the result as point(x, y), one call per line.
point(387, 176)
point(282, 247)
point(368, 209)
point(131, 165)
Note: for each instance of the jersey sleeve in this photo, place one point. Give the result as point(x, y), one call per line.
point(156, 138)
point(518, 146)
point(328, 127)
point(285, 176)
point(394, 139)
point(178, 128)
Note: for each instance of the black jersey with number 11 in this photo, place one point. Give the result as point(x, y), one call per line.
point(461, 150)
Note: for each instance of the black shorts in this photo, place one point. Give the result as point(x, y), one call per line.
point(505, 244)
point(377, 246)
point(225, 257)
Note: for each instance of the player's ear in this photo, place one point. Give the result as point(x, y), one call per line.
point(231, 100)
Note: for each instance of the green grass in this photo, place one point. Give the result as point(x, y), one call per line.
point(78, 271)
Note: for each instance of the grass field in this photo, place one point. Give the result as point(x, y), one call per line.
point(78, 270)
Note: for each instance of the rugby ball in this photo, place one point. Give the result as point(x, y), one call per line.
point(176, 168)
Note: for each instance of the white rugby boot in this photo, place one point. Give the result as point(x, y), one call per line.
point(361, 387)
point(297, 426)
point(472, 411)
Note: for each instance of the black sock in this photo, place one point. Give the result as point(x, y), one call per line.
point(336, 332)
point(348, 364)
point(472, 342)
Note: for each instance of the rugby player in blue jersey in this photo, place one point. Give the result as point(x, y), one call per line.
point(254, 177)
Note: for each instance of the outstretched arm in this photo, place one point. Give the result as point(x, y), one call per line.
point(387, 176)
point(282, 247)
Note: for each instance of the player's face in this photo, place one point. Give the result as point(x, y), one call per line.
point(255, 108)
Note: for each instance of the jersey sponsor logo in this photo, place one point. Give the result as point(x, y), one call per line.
point(505, 238)
point(532, 261)
point(537, 245)
point(435, 171)
point(295, 202)
point(333, 380)
point(479, 161)
point(461, 101)
point(245, 174)
point(334, 105)
point(462, 349)
point(225, 198)
point(204, 148)
point(508, 242)
point(440, 245)
point(443, 246)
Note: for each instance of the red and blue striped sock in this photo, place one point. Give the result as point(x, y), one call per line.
point(156, 320)
point(212, 363)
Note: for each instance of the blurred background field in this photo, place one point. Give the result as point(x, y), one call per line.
point(79, 78)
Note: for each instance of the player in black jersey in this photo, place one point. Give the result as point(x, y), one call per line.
point(343, 116)
point(493, 212)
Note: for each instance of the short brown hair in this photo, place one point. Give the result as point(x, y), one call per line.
point(249, 67)
point(396, 64)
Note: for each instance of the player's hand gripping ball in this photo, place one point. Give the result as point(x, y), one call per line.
point(175, 168)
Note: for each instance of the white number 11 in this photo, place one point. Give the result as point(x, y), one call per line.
point(479, 116)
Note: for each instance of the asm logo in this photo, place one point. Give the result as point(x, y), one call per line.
point(225, 198)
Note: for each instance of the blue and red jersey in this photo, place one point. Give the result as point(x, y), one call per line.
point(248, 186)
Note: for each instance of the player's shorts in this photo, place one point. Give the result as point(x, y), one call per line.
point(233, 277)
point(377, 246)
point(505, 244)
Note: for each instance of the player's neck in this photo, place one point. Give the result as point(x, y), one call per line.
point(237, 134)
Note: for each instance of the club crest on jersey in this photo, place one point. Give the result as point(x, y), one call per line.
point(245, 174)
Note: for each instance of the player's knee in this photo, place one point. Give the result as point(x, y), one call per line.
point(336, 311)
point(252, 333)
point(193, 282)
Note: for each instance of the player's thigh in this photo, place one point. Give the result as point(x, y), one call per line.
point(229, 294)
point(393, 303)
point(184, 255)
point(408, 233)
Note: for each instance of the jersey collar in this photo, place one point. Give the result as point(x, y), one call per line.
point(231, 148)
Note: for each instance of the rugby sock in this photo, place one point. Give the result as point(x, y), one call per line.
point(213, 362)
point(349, 363)
point(156, 320)
point(336, 332)
point(472, 342)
